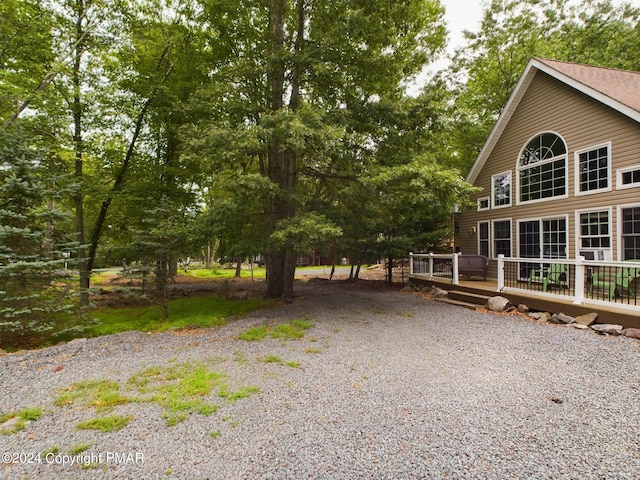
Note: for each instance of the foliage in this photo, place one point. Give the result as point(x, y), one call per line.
point(33, 280)
point(485, 71)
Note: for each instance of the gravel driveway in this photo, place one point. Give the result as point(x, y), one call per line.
point(384, 385)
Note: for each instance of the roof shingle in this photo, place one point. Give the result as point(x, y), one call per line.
point(619, 85)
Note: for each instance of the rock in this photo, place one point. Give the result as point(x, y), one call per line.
point(522, 308)
point(57, 368)
point(3, 353)
point(426, 289)
point(632, 333)
point(566, 318)
point(554, 319)
point(542, 317)
point(498, 304)
point(10, 424)
point(410, 287)
point(588, 319)
point(239, 296)
point(439, 293)
point(578, 326)
point(607, 328)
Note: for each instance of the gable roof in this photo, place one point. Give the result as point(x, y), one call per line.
point(619, 89)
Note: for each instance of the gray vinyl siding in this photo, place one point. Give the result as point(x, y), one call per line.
point(550, 105)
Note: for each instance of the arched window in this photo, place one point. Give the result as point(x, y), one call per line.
point(542, 168)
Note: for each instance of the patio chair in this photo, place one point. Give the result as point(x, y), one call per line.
point(620, 283)
point(548, 276)
point(626, 281)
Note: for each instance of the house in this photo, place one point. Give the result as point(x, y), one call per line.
point(560, 171)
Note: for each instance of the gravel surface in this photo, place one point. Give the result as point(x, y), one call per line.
point(389, 385)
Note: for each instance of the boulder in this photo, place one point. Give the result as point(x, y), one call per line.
point(498, 304)
point(439, 293)
point(522, 308)
point(542, 317)
point(632, 333)
point(566, 319)
point(577, 326)
point(588, 319)
point(607, 328)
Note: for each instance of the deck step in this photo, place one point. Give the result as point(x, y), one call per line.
point(470, 306)
point(474, 298)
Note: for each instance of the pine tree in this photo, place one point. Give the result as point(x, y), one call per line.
point(33, 290)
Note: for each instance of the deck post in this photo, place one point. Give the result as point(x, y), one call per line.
point(411, 263)
point(579, 281)
point(456, 279)
point(500, 272)
point(431, 265)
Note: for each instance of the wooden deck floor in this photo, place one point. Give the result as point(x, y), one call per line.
point(607, 313)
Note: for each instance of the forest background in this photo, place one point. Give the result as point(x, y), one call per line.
point(149, 131)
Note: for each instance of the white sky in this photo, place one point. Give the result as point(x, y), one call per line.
point(467, 15)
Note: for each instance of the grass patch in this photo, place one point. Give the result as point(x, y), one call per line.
point(78, 449)
point(253, 334)
point(292, 330)
point(221, 272)
point(101, 394)
point(200, 312)
point(105, 424)
point(276, 359)
point(180, 389)
point(21, 419)
point(215, 434)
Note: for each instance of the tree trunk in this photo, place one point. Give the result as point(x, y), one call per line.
point(281, 165)
point(78, 142)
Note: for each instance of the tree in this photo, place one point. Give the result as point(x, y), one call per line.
point(486, 70)
point(33, 283)
point(293, 76)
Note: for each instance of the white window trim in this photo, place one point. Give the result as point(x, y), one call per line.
point(492, 238)
point(576, 169)
point(541, 219)
point(620, 171)
point(578, 234)
point(488, 222)
point(493, 197)
point(488, 199)
point(519, 168)
point(619, 227)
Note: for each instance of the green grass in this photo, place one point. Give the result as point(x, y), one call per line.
point(292, 330)
point(105, 424)
point(276, 359)
point(78, 449)
point(180, 389)
point(219, 272)
point(23, 417)
point(101, 394)
point(196, 312)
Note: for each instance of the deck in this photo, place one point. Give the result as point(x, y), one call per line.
point(608, 312)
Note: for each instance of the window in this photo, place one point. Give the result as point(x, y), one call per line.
point(594, 237)
point(542, 169)
point(541, 238)
point(483, 239)
point(502, 237)
point(631, 233)
point(593, 170)
point(483, 204)
point(629, 177)
point(501, 190)
point(554, 238)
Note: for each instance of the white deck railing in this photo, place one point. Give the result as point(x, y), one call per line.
point(578, 280)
